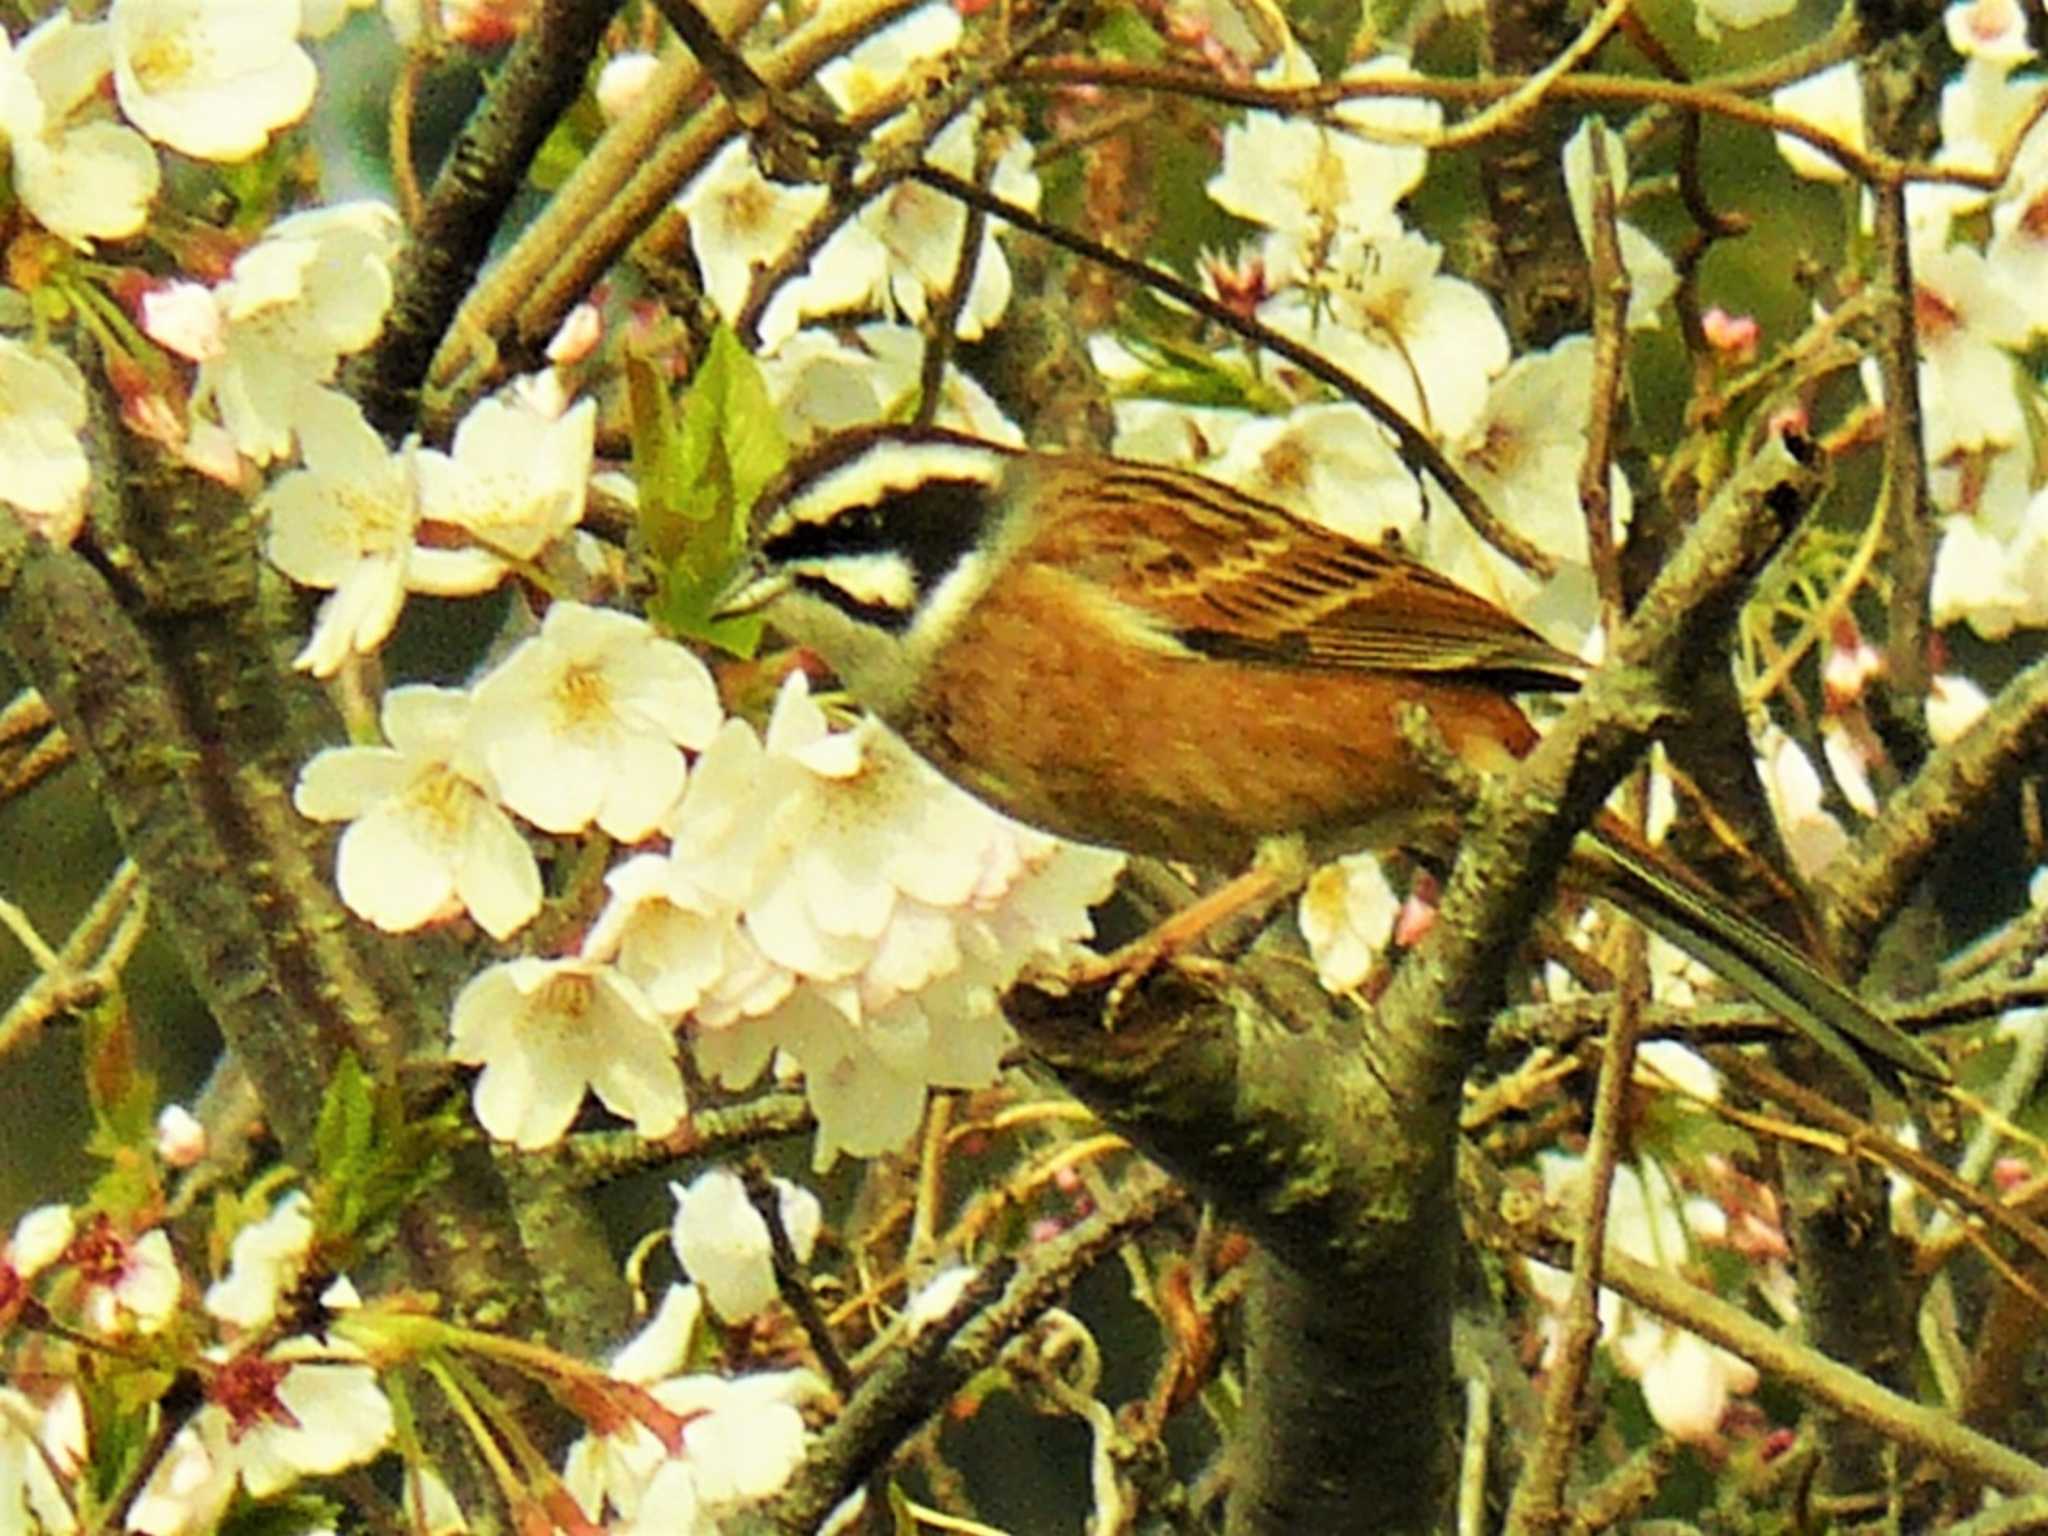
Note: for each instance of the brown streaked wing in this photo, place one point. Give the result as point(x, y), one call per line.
point(1241, 578)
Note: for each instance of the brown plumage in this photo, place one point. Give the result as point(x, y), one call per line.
point(1137, 656)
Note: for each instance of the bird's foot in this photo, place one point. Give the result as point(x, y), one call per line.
point(1270, 879)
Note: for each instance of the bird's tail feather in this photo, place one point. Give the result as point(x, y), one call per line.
point(1672, 905)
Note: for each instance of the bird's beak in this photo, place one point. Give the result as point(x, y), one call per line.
point(751, 588)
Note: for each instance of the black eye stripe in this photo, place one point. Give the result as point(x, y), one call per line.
point(884, 616)
point(933, 526)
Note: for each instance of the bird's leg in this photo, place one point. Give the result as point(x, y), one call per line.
point(1279, 869)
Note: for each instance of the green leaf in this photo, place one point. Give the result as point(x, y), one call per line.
point(288, 1514)
point(655, 470)
point(120, 1405)
point(732, 439)
point(369, 1158)
point(1124, 32)
point(567, 145)
point(1685, 1132)
point(1180, 370)
point(343, 1138)
point(701, 465)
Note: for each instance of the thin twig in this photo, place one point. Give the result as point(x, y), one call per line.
point(539, 80)
point(1608, 279)
point(1582, 90)
point(1539, 1496)
point(790, 1279)
point(943, 321)
point(89, 963)
point(931, 1183)
point(1507, 115)
point(1860, 1139)
point(1914, 1426)
point(918, 1380)
point(405, 172)
point(597, 1158)
point(1908, 508)
point(1415, 447)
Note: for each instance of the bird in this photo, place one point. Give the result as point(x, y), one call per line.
point(1137, 656)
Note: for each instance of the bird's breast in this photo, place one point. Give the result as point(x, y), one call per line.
point(1034, 708)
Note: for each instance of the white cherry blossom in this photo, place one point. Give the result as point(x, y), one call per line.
point(265, 1261)
point(426, 836)
point(304, 1409)
point(1954, 705)
point(621, 80)
point(740, 221)
point(862, 76)
point(313, 290)
point(1991, 30)
point(548, 1031)
point(31, 1498)
point(1967, 323)
point(1652, 277)
point(1385, 311)
point(822, 382)
point(900, 252)
point(742, 1437)
point(1347, 915)
point(1710, 16)
point(515, 480)
point(1831, 101)
point(888, 910)
point(331, 1415)
point(83, 180)
point(1308, 183)
point(211, 78)
point(1329, 462)
point(43, 469)
point(39, 1239)
point(1686, 1382)
point(346, 523)
point(1797, 797)
point(134, 1284)
point(665, 930)
point(585, 721)
point(723, 1244)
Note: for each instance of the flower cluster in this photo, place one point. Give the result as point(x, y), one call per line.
point(1687, 1383)
point(898, 255)
point(737, 1438)
point(789, 894)
point(821, 891)
point(1974, 309)
point(277, 1406)
point(667, 1448)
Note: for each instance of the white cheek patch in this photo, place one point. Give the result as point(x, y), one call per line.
point(881, 580)
point(886, 469)
point(950, 599)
